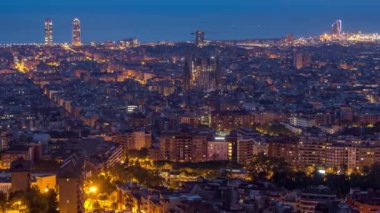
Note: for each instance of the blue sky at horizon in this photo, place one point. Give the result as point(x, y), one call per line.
point(21, 21)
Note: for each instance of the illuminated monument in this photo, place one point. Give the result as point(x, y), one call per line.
point(202, 73)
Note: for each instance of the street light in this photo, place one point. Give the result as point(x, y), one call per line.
point(93, 189)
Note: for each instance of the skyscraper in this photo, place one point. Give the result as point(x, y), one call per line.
point(76, 33)
point(48, 32)
point(336, 27)
point(199, 38)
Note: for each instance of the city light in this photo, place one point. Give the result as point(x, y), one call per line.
point(93, 189)
point(239, 116)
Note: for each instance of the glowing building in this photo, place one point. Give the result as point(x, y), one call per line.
point(76, 33)
point(199, 38)
point(336, 27)
point(48, 32)
point(202, 73)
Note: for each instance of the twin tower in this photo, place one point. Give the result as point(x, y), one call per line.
point(76, 32)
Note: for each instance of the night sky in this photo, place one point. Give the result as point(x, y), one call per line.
point(152, 20)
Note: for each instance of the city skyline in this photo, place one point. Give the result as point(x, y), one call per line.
point(220, 20)
point(160, 106)
point(336, 29)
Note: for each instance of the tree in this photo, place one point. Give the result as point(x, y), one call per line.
point(96, 205)
point(35, 201)
point(370, 179)
point(103, 184)
point(3, 201)
point(51, 197)
point(264, 167)
point(339, 184)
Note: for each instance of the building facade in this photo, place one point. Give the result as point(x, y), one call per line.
point(76, 40)
point(48, 32)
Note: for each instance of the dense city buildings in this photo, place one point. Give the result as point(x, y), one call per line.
point(277, 125)
point(347, 154)
point(184, 146)
point(302, 60)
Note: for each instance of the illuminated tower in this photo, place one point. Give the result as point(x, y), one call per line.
point(199, 38)
point(76, 33)
point(336, 27)
point(48, 32)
